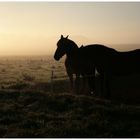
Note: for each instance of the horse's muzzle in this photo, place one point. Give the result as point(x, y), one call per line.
point(56, 58)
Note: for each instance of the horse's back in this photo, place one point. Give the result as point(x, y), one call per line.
point(109, 59)
point(97, 54)
point(130, 54)
point(96, 48)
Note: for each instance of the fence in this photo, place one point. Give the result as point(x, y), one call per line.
point(57, 75)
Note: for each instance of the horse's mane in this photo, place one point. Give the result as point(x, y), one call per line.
point(72, 43)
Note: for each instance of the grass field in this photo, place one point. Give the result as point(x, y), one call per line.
point(30, 108)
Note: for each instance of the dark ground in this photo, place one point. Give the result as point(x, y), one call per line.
point(36, 112)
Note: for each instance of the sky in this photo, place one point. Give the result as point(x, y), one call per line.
point(33, 28)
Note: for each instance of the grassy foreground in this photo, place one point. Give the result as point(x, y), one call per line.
point(30, 114)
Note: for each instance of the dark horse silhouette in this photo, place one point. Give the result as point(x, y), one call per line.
point(110, 62)
point(107, 61)
point(74, 63)
point(71, 71)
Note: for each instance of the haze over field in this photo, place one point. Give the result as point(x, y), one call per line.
point(33, 28)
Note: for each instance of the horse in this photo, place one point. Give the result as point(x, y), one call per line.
point(110, 62)
point(73, 62)
point(107, 61)
point(70, 71)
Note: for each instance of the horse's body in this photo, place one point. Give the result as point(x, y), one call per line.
point(73, 62)
point(107, 61)
point(110, 62)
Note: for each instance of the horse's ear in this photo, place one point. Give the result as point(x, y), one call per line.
point(67, 36)
point(62, 37)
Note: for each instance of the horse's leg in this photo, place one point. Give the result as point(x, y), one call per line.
point(107, 84)
point(77, 83)
point(91, 80)
point(102, 85)
point(84, 80)
point(83, 83)
point(71, 81)
point(91, 83)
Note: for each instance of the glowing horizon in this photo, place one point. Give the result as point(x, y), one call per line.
point(33, 28)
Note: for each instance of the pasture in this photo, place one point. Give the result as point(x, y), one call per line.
point(33, 105)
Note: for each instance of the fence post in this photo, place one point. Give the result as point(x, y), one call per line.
point(52, 76)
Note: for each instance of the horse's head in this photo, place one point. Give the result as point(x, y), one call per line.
point(64, 46)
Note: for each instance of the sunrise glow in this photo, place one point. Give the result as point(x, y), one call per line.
point(33, 28)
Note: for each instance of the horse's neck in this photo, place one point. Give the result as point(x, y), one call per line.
point(72, 49)
point(72, 53)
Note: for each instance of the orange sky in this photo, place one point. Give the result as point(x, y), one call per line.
point(33, 28)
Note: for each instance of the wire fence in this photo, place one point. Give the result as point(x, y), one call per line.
point(61, 75)
point(57, 75)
